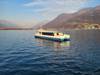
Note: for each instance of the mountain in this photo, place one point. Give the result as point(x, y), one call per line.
point(77, 19)
point(58, 21)
point(5, 23)
point(39, 25)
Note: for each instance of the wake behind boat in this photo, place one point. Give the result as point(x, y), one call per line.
point(52, 35)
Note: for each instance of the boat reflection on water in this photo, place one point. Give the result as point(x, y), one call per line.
point(55, 45)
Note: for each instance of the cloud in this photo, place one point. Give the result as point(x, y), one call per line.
point(51, 8)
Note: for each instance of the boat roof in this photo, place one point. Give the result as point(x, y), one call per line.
point(42, 30)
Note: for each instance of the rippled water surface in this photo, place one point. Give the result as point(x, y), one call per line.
point(22, 54)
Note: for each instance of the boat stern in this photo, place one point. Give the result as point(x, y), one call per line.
point(65, 37)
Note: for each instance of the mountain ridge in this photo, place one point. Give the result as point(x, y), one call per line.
point(87, 15)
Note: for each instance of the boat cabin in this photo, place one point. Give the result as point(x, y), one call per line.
point(49, 33)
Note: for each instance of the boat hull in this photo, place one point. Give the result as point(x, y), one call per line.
point(53, 39)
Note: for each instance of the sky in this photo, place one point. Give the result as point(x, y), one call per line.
point(31, 12)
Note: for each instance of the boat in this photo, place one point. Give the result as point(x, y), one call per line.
point(52, 35)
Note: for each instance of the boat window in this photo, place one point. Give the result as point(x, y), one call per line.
point(39, 32)
point(47, 33)
point(60, 34)
point(57, 33)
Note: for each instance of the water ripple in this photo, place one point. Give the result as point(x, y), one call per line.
point(24, 55)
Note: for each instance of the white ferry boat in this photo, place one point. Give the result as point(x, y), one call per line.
point(52, 35)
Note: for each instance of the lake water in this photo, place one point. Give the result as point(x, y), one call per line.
point(22, 54)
